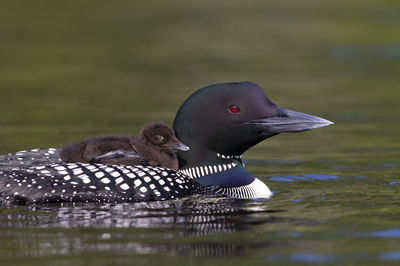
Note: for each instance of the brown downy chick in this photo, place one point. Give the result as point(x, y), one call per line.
point(156, 146)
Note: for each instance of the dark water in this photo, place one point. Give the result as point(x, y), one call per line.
point(74, 69)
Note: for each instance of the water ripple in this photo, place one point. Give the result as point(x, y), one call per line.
point(311, 258)
point(308, 177)
point(390, 255)
point(390, 233)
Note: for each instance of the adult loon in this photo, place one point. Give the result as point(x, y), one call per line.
point(218, 122)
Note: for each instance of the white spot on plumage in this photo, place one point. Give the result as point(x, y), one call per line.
point(125, 171)
point(85, 179)
point(105, 180)
point(167, 189)
point(60, 168)
point(91, 167)
point(82, 176)
point(131, 175)
point(143, 189)
point(109, 169)
point(72, 166)
point(77, 171)
point(99, 174)
point(124, 186)
point(118, 180)
point(137, 182)
point(115, 174)
point(147, 179)
point(67, 177)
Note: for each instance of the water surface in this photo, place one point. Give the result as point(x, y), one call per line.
point(75, 69)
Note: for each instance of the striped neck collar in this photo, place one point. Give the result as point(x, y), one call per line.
point(200, 171)
point(256, 189)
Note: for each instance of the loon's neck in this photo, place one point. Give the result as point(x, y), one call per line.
point(227, 173)
point(217, 169)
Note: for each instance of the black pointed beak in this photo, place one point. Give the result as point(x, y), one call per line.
point(179, 146)
point(290, 121)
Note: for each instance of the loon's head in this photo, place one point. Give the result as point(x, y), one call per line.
point(222, 121)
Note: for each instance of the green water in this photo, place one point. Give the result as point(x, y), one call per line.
point(74, 69)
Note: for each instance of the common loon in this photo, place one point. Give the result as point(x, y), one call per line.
point(218, 122)
point(156, 146)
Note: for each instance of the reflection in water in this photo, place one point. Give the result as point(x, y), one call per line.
point(196, 216)
point(73, 228)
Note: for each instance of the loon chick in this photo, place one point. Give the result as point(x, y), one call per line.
point(156, 146)
point(218, 122)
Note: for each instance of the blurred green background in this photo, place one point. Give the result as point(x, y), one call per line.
point(73, 69)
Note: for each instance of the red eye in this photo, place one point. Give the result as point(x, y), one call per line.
point(234, 109)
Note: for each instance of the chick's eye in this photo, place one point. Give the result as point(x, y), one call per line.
point(159, 138)
point(234, 109)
